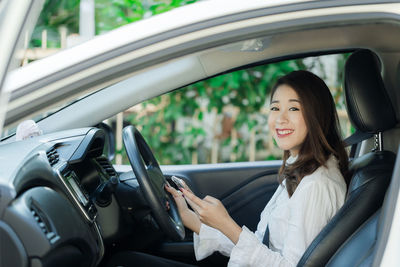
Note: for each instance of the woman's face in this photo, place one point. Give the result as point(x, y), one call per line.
point(286, 121)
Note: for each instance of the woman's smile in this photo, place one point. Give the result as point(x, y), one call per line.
point(281, 133)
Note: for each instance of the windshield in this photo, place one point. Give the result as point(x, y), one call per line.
point(68, 23)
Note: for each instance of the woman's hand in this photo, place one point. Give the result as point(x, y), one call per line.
point(189, 218)
point(213, 213)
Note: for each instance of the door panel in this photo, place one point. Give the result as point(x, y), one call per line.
point(244, 188)
point(223, 179)
point(247, 202)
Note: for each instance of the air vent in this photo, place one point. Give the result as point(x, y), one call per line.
point(106, 165)
point(51, 236)
point(53, 156)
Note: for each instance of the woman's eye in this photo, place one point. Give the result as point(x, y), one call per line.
point(274, 109)
point(294, 109)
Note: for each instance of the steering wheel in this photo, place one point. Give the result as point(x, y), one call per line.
point(151, 181)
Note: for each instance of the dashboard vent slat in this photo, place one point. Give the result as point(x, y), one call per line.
point(50, 235)
point(52, 156)
point(106, 165)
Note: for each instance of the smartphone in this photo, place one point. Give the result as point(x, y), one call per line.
point(177, 181)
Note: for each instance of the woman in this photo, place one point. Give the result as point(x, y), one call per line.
point(304, 124)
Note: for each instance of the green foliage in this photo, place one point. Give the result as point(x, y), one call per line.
point(116, 13)
point(109, 15)
point(248, 90)
point(56, 14)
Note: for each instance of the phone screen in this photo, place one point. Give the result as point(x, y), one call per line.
point(177, 181)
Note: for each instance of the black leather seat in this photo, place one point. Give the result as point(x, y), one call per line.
point(358, 249)
point(370, 111)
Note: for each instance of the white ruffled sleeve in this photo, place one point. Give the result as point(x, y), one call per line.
point(210, 240)
point(249, 251)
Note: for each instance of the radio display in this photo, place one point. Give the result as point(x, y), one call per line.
point(71, 180)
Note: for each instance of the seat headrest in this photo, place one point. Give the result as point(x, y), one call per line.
point(368, 104)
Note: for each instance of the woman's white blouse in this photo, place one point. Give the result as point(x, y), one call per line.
point(293, 222)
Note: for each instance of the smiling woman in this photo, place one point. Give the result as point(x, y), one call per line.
point(301, 102)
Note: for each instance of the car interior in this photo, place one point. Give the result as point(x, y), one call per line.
point(64, 203)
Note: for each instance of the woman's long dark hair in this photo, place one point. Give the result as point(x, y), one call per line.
point(323, 136)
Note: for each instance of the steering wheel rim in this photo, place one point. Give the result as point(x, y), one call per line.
point(151, 181)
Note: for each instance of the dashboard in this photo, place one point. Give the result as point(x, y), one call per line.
point(49, 213)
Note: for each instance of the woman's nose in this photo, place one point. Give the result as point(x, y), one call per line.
point(282, 117)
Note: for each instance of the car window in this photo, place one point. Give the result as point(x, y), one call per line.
point(66, 23)
point(224, 118)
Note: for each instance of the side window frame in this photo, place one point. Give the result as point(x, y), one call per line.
point(224, 118)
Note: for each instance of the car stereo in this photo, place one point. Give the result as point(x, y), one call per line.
point(78, 194)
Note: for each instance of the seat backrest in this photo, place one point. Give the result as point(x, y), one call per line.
point(365, 98)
